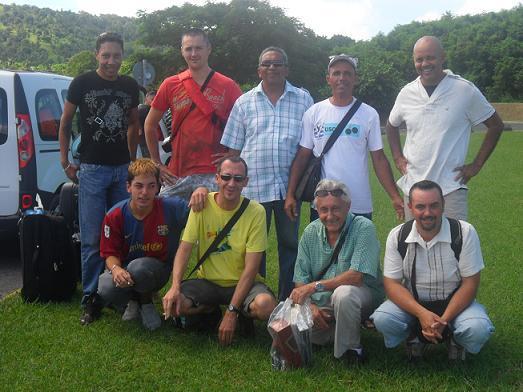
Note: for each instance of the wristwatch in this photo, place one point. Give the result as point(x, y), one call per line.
point(319, 287)
point(232, 308)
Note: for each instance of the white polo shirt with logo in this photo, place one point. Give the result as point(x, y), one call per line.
point(438, 128)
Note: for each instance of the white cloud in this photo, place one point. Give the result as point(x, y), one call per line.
point(480, 6)
point(428, 16)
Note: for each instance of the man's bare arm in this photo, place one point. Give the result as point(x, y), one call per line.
point(384, 174)
point(495, 127)
point(64, 137)
point(228, 324)
point(297, 168)
point(393, 136)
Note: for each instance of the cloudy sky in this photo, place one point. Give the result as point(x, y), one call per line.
point(359, 19)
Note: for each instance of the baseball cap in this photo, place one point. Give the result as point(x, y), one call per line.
point(343, 57)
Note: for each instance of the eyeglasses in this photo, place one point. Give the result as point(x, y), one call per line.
point(324, 192)
point(227, 177)
point(276, 64)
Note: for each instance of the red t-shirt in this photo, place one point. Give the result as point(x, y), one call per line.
point(199, 136)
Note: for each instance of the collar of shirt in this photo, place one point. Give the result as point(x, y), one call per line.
point(289, 88)
point(442, 236)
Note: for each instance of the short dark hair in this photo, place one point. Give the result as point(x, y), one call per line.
point(233, 159)
point(151, 93)
point(108, 37)
point(277, 50)
point(194, 32)
point(425, 185)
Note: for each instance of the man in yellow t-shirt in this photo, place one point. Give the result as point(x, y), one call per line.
point(229, 276)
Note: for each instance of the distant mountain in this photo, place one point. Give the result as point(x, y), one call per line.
point(32, 36)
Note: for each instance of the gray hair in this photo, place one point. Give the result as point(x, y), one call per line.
point(330, 185)
point(274, 49)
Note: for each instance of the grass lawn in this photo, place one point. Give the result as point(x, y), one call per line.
point(43, 346)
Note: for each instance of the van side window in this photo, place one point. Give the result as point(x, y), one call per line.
point(75, 127)
point(3, 116)
point(48, 113)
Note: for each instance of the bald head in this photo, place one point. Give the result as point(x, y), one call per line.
point(429, 56)
point(429, 40)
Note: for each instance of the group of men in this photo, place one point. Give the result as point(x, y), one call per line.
point(237, 159)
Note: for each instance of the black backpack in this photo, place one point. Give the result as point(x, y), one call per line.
point(456, 237)
point(50, 261)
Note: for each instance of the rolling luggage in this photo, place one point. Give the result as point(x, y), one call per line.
point(50, 262)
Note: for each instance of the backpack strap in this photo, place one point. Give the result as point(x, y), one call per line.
point(456, 237)
point(402, 236)
point(221, 235)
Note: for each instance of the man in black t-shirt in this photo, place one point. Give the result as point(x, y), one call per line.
point(108, 104)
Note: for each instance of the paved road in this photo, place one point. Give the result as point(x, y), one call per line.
point(10, 266)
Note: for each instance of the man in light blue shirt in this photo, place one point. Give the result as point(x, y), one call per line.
point(265, 128)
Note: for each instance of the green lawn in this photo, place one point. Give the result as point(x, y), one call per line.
point(43, 347)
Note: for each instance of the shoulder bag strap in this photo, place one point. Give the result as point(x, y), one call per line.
point(221, 235)
point(337, 132)
point(193, 105)
point(335, 253)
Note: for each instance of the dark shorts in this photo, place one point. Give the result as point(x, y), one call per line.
point(205, 292)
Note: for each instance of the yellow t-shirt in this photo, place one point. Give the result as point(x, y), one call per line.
point(225, 265)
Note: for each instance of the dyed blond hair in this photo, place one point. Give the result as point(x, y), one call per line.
point(142, 166)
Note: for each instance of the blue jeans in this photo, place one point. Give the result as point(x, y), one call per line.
point(287, 235)
point(470, 329)
point(100, 187)
point(314, 215)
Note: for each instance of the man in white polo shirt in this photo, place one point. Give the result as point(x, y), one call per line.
point(439, 110)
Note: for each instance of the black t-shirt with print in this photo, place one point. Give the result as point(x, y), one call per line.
point(104, 116)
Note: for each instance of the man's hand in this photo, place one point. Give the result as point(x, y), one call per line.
point(291, 207)
point(227, 328)
point(172, 303)
point(72, 172)
point(431, 326)
point(301, 293)
point(198, 198)
point(401, 164)
point(466, 172)
point(397, 204)
point(166, 177)
point(122, 277)
point(321, 317)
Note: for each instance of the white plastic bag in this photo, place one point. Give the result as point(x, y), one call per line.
point(290, 326)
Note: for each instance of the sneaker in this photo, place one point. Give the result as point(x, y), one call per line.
point(455, 351)
point(132, 311)
point(415, 349)
point(92, 310)
point(150, 317)
point(355, 357)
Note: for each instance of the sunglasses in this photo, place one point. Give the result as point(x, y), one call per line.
point(276, 64)
point(227, 177)
point(334, 192)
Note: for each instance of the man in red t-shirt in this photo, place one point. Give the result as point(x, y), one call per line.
point(198, 118)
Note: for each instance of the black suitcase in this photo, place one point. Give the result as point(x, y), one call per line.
point(50, 263)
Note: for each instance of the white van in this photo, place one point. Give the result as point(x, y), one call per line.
point(30, 109)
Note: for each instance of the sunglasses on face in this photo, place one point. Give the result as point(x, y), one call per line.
point(334, 192)
point(227, 177)
point(276, 64)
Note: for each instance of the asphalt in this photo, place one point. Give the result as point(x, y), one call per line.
point(10, 266)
